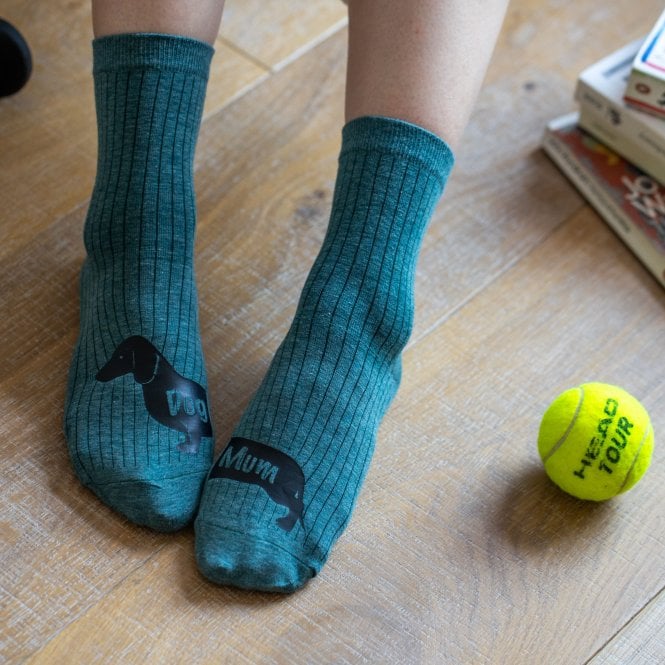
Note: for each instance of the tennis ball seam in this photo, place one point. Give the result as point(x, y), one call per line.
point(569, 429)
point(601, 423)
point(635, 458)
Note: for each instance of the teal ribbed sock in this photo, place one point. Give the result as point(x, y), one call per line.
point(283, 489)
point(137, 420)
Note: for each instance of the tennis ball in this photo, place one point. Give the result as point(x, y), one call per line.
point(595, 441)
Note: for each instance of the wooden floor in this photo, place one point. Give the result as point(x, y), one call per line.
point(460, 549)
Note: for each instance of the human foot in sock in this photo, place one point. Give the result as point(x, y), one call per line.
point(137, 420)
point(283, 489)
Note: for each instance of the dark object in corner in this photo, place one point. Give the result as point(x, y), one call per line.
point(15, 60)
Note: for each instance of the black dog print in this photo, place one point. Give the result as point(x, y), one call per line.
point(275, 472)
point(170, 399)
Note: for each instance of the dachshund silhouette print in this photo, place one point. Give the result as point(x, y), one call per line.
point(171, 399)
point(277, 473)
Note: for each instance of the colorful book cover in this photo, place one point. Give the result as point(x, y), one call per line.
point(646, 85)
point(629, 200)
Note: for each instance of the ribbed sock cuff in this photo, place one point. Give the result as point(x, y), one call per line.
point(152, 51)
point(395, 136)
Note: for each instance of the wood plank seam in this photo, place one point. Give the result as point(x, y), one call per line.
point(417, 339)
point(626, 625)
point(305, 48)
point(243, 53)
point(91, 607)
point(234, 98)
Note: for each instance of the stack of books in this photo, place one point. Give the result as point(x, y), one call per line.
point(613, 148)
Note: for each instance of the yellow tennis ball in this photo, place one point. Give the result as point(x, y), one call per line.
point(595, 441)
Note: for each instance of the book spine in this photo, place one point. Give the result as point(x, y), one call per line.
point(614, 137)
point(603, 203)
point(646, 93)
point(648, 140)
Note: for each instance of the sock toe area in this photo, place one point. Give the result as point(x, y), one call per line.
point(240, 559)
point(165, 505)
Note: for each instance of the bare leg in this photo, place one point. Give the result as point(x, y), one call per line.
point(422, 61)
point(199, 19)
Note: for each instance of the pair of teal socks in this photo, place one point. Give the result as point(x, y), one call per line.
point(137, 417)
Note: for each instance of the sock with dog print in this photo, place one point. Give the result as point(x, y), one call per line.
point(283, 489)
point(137, 420)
